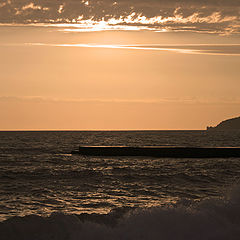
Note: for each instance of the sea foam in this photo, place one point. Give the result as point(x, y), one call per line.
point(214, 219)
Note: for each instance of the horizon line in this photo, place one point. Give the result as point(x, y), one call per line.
point(93, 130)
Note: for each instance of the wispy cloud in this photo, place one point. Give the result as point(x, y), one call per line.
point(209, 49)
point(189, 100)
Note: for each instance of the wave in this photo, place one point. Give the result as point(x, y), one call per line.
point(213, 219)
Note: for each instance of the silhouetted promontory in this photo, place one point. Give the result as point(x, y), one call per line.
point(229, 124)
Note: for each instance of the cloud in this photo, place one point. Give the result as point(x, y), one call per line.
point(215, 49)
point(184, 101)
point(89, 100)
point(216, 16)
point(208, 49)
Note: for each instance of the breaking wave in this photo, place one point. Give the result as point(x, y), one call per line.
point(213, 219)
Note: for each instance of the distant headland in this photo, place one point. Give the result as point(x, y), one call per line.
point(229, 124)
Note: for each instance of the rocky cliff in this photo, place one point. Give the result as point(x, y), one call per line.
point(229, 124)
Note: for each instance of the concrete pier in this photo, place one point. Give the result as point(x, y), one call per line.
point(161, 152)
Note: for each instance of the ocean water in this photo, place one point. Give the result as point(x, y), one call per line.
point(47, 193)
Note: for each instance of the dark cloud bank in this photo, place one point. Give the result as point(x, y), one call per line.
point(218, 16)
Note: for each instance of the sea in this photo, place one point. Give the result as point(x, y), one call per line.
point(48, 193)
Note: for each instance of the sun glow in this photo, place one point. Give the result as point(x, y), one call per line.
point(136, 22)
point(195, 22)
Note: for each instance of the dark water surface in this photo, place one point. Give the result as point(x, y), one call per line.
point(39, 177)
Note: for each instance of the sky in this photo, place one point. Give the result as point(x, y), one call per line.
point(118, 65)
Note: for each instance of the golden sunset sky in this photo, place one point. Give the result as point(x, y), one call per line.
point(123, 65)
